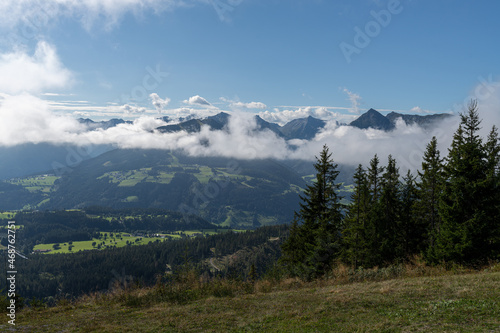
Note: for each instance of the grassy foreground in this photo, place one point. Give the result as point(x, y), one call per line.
point(445, 303)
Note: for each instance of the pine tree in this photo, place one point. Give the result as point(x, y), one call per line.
point(375, 212)
point(430, 183)
point(321, 202)
point(388, 224)
point(374, 178)
point(412, 233)
point(492, 149)
point(294, 249)
point(355, 245)
point(314, 244)
point(492, 193)
point(464, 234)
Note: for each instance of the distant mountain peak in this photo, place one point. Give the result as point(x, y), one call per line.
point(102, 124)
point(221, 116)
point(425, 121)
point(303, 128)
point(373, 119)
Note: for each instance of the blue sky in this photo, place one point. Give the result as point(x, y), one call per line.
point(279, 54)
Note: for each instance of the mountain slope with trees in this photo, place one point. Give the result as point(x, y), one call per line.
point(224, 191)
point(449, 214)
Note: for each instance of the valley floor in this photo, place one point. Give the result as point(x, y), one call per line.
point(448, 303)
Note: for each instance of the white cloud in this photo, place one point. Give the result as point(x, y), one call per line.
point(237, 105)
point(419, 110)
point(196, 100)
point(355, 100)
point(321, 112)
point(241, 140)
point(34, 15)
point(28, 119)
point(20, 72)
point(487, 95)
point(158, 103)
point(25, 118)
point(52, 94)
point(251, 105)
point(132, 109)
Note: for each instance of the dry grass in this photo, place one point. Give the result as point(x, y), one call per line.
point(414, 301)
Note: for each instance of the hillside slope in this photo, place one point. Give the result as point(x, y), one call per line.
point(465, 303)
point(224, 191)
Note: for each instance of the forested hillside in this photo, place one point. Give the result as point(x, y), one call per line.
point(73, 226)
point(449, 213)
point(227, 192)
point(69, 275)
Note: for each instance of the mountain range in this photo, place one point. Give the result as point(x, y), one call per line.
point(307, 128)
point(26, 159)
point(304, 128)
point(224, 191)
point(92, 125)
point(374, 119)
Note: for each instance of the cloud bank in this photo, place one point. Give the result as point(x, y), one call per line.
point(237, 105)
point(196, 100)
point(355, 100)
point(34, 15)
point(25, 118)
point(21, 72)
point(28, 119)
point(158, 103)
point(283, 116)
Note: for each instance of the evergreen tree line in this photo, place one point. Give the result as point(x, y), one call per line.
point(448, 213)
point(64, 226)
point(83, 272)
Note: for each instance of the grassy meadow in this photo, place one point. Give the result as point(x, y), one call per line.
point(116, 239)
point(446, 301)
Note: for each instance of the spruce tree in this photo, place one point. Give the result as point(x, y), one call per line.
point(375, 211)
point(429, 186)
point(492, 149)
point(412, 233)
point(464, 235)
point(374, 178)
point(294, 249)
point(492, 194)
point(388, 223)
point(314, 244)
point(354, 245)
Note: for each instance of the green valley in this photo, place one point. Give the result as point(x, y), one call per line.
point(110, 240)
point(226, 192)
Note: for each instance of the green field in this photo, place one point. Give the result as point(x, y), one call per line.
point(5, 226)
point(102, 243)
point(7, 215)
point(443, 303)
point(119, 239)
point(45, 183)
point(40, 183)
point(202, 173)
